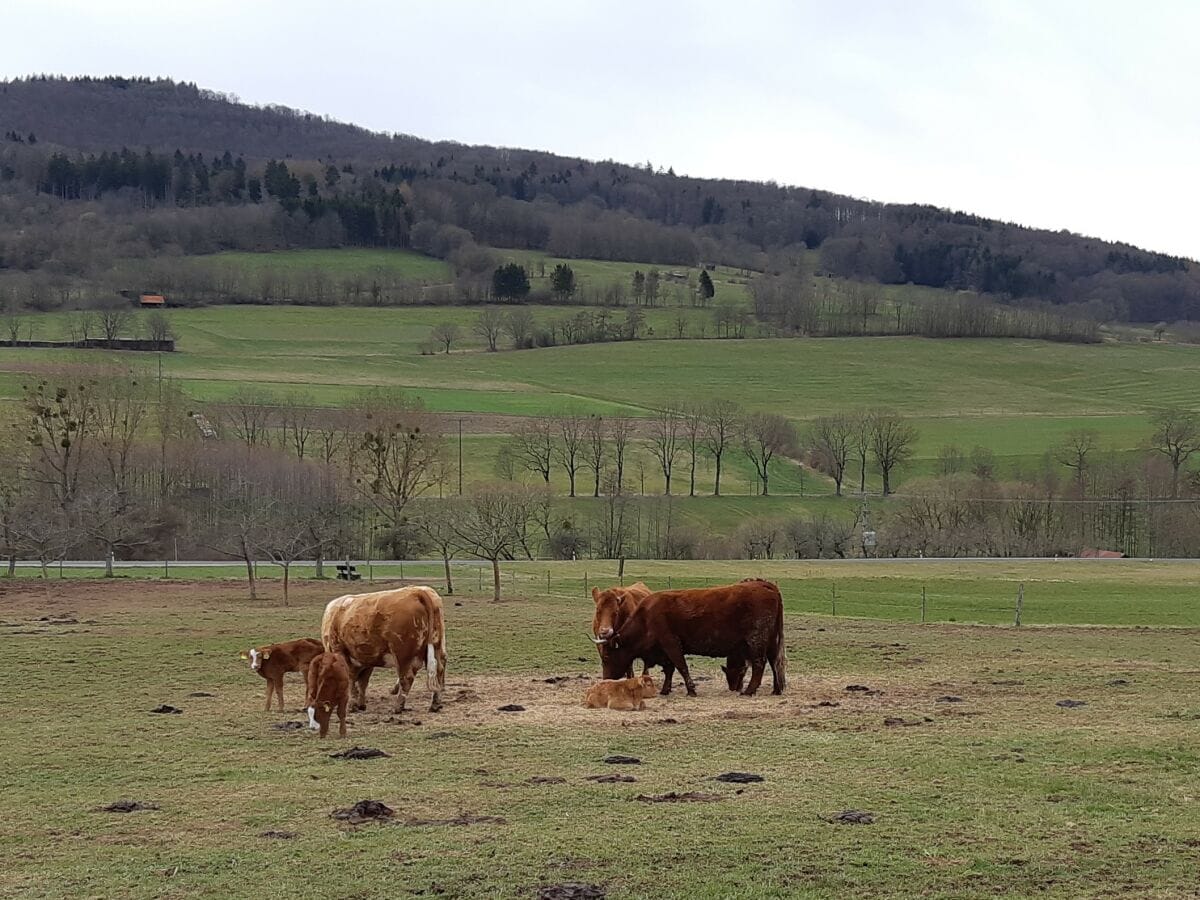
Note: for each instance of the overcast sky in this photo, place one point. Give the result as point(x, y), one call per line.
point(1077, 114)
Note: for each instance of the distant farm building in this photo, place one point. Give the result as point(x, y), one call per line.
point(1093, 553)
point(152, 301)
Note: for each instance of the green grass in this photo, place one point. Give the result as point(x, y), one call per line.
point(1002, 794)
point(339, 263)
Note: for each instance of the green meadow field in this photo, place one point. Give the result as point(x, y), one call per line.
point(951, 736)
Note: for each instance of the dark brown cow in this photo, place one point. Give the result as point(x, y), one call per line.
point(328, 690)
point(274, 661)
point(742, 622)
point(613, 607)
point(404, 629)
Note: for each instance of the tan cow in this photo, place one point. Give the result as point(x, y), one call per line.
point(328, 690)
point(620, 693)
point(404, 629)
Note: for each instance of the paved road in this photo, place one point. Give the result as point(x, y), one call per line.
point(362, 563)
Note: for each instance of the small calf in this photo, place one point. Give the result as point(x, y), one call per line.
point(620, 693)
point(276, 660)
point(328, 689)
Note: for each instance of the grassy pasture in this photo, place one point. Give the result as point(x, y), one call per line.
point(1001, 793)
point(341, 263)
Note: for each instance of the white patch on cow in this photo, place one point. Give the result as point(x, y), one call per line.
point(389, 660)
point(255, 662)
point(431, 662)
point(312, 721)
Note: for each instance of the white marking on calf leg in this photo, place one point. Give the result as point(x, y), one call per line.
point(312, 720)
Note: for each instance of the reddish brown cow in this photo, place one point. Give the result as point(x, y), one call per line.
point(613, 607)
point(404, 629)
point(742, 622)
point(274, 661)
point(328, 689)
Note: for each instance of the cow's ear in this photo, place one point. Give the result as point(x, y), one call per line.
point(614, 642)
point(596, 595)
point(327, 707)
point(266, 654)
point(245, 654)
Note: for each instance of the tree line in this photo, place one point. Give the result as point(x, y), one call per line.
point(341, 184)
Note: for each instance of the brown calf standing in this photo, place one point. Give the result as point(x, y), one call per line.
point(620, 693)
point(276, 660)
point(328, 689)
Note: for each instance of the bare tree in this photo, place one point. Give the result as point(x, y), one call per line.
point(247, 415)
point(492, 524)
point(665, 440)
point(764, 436)
point(158, 326)
point(860, 443)
point(830, 438)
point(15, 453)
point(620, 432)
point(399, 455)
point(892, 441)
point(13, 320)
point(614, 525)
point(595, 450)
point(1176, 436)
point(532, 446)
point(43, 531)
point(569, 448)
point(721, 419)
point(435, 519)
point(693, 434)
point(81, 324)
point(285, 534)
point(297, 419)
point(60, 429)
point(488, 325)
point(445, 334)
point(518, 324)
point(114, 316)
point(114, 520)
point(1074, 451)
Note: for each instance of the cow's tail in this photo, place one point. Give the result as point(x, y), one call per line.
point(436, 640)
point(779, 668)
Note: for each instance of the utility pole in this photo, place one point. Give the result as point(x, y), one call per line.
point(460, 457)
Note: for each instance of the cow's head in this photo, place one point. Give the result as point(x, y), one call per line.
point(735, 673)
point(318, 717)
point(649, 688)
point(257, 656)
point(616, 657)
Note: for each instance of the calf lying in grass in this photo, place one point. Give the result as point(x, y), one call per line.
point(276, 660)
point(620, 693)
point(328, 689)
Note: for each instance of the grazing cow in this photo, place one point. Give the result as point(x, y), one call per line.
point(613, 607)
point(404, 629)
point(276, 660)
point(742, 622)
point(620, 693)
point(328, 689)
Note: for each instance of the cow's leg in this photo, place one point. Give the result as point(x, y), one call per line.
point(279, 690)
point(439, 683)
point(405, 672)
point(674, 651)
point(757, 664)
point(341, 711)
point(668, 674)
point(270, 691)
point(360, 688)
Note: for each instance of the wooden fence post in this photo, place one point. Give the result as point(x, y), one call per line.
point(1020, 603)
point(922, 604)
point(833, 590)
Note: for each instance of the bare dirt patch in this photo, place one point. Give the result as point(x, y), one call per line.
point(571, 890)
point(128, 806)
point(674, 797)
point(363, 811)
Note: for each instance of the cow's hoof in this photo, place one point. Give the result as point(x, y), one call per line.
point(435, 706)
point(664, 693)
point(748, 693)
point(691, 693)
point(360, 707)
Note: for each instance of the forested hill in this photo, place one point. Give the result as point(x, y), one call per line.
point(163, 166)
